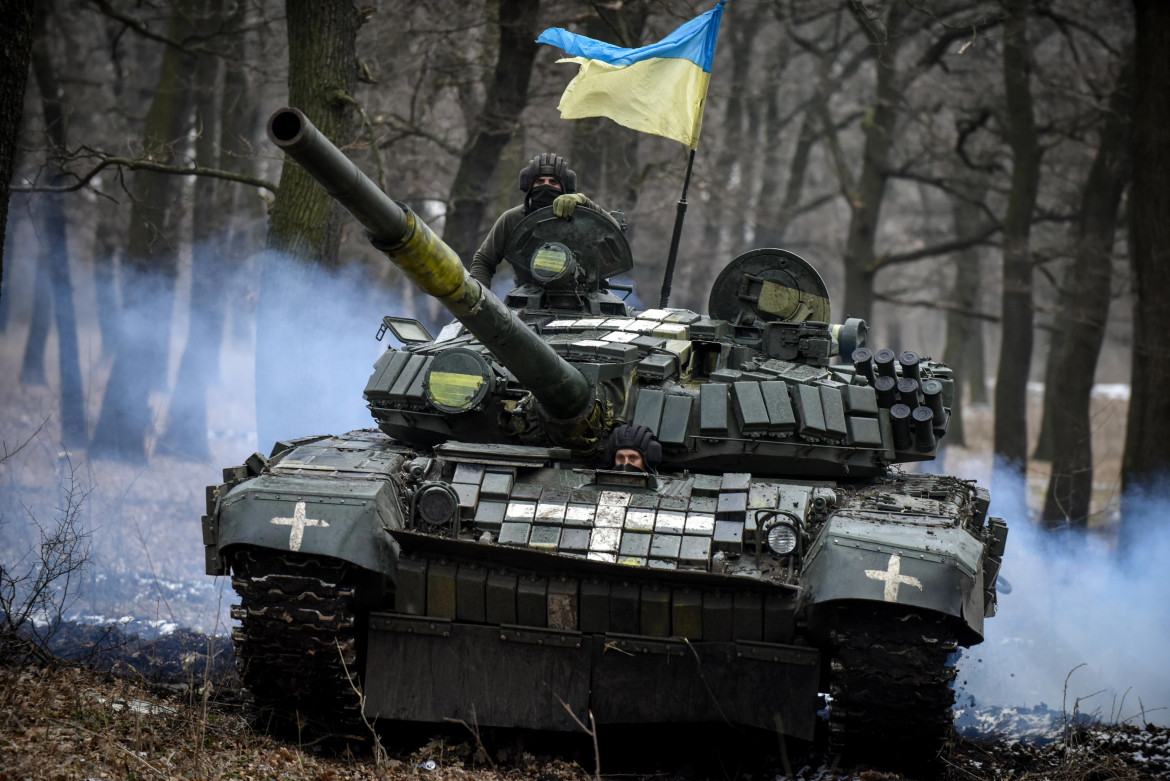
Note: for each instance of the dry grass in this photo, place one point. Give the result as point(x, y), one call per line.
point(71, 723)
point(1123, 753)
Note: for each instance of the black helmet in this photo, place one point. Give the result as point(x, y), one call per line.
point(640, 438)
point(548, 164)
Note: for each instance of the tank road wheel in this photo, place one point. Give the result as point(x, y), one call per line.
point(891, 686)
point(297, 643)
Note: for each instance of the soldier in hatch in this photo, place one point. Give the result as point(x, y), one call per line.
point(546, 180)
point(633, 449)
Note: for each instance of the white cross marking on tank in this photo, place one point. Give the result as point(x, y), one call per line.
point(893, 577)
point(298, 523)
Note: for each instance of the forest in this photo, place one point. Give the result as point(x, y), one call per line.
point(976, 180)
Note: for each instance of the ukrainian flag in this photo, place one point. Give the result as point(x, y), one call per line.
point(659, 89)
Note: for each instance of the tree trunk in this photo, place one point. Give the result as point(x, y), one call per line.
point(866, 199)
point(186, 432)
point(149, 270)
point(15, 51)
point(1015, 358)
point(107, 240)
point(1146, 460)
point(1057, 344)
point(1081, 318)
point(32, 365)
point(964, 345)
point(604, 152)
point(5, 301)
point(304, 228)
point(507, 95)
point(55, 256)
point(723, 214)
point(240, 210)
point(775, 215)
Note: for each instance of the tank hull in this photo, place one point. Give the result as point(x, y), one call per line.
point(569, 591)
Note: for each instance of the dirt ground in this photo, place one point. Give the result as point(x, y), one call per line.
point(72, 723)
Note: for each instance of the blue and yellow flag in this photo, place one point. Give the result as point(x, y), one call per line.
point(659, 89)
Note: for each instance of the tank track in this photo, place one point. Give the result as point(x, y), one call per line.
point(890, 681)
point(296, 641)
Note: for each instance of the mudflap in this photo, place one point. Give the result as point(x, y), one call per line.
point(347, 520)
point(937, 570)
point(430, 669)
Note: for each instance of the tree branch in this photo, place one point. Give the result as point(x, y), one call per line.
point(937, 304)
point(121, 163)
point(933, 250)
point(403, 127)
point(140, 27)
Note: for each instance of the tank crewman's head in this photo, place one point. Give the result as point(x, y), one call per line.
point(544, 178)
point(633, 449)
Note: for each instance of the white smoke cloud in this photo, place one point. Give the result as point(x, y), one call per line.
point(1079, 610)
point(147, 556)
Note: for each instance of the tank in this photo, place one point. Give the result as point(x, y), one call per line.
point(472, 558)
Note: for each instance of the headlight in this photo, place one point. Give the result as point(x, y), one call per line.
point(781, 538)
point(436, 504)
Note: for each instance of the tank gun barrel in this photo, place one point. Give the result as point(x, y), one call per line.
point(412, 246)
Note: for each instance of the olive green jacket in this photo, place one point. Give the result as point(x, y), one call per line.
point(487, 258)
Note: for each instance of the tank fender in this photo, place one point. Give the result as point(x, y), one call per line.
point(932, 567)
point(343, 519)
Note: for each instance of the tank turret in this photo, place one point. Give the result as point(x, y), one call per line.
point(563, 359)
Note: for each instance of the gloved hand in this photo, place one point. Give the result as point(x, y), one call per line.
point(564, 205)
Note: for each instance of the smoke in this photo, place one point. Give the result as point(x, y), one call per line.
point(147, 557)
point(1085, 626)
point(316, 347)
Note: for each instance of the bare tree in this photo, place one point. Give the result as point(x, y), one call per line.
point(15, 51)
point(507, 95)
point(1015, 358)
point(1147, 459)
point(38, 589)
point(150, 266)
point(186, 428)
point(730, 178)
point(865, 194)
point(304, 229)
point(1081, 317)
point(964, 343)
point(54, 285)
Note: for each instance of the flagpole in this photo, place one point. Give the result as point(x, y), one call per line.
point(674, 239)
